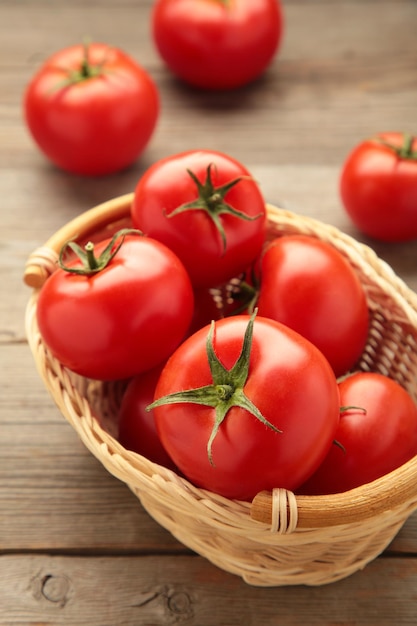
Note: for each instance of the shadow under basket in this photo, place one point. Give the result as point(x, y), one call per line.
point(279, 538)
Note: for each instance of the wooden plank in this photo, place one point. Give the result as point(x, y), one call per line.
point(346, 69)
point(69, 591)
point(314, 103)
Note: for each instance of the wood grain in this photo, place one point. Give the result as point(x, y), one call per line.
point(188, 590)
point(76, 546)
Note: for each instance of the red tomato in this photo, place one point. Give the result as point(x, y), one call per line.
point(217, 44)
point(309, 286)
point(375, 439)
point(122, 320)
point(137, 430)
point(253, 386)
point(378, 187)
point(207, 208)
point(91, 110)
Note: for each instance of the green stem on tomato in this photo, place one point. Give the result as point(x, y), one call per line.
point(90, 256)
point(211, 199)
point(405, 151)
point(226, 389)
point(90, 263)
point(86, 71)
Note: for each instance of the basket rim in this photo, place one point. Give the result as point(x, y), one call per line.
point(386, 493)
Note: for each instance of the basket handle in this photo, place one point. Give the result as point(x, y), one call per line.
point(386, 493)
point(42, 261)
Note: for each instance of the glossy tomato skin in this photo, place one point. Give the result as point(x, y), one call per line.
point(124, 320)
point(94, 126)
point(289, 381)
point(192, 235)
point(137, 430)
point(217, 44)
point(375, 442)
point(308, 285)
point(379, 189)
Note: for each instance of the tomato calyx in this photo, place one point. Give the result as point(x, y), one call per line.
point(90, 263)
point(211, 199)
point(405, 151)
point(86, 70)
point(226, 390)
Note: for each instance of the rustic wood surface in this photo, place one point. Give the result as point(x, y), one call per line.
point(76, 547)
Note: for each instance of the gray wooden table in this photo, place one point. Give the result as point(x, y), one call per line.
point(76, 548)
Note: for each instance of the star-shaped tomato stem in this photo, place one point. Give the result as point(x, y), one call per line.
point(225, 391)
point(211, 199)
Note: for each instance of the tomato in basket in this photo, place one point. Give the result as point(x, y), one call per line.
point(137, 429)
point(378, 186)
point(207, 208)
point(246, 404)
point(117, 309)
point(309, 285)
point(91, 109)
point(377, 433)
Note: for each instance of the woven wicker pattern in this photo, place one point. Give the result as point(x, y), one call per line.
point(306, 540)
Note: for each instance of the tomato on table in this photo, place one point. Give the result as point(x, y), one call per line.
point(118, 310)
point(377, 433)
point(378, 187)
point(217, 44)
point(245, 405)
point(309, 285)
point(91, 109)
point(207, 208)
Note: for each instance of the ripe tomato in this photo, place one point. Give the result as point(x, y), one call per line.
point(378, 187)
point(309, 286)
point(217, 44)
point(205, 206)
point(137, 430)
point(375, 438)
point(235, 385)
point(91, 109)
point(121, 320)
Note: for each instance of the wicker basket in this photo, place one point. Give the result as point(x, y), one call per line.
point(279, 538)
